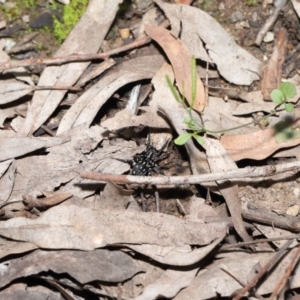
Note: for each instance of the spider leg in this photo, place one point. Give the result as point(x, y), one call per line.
point(127, 161)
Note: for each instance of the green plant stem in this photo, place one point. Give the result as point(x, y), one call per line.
point(203, 129)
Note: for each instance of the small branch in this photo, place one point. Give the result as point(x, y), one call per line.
point(271, 20)
point(264, 270)
point(73, 58)
point(57, 88)
point(240, 282)
point(31, 201)
point(247, 174)
point(290, 223)
point(287, 274)
point(258, 241)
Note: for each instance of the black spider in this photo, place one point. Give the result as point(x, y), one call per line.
point(143, 164)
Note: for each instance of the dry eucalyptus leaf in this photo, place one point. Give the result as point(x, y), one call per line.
point(272, 71)
point(60, 166)
point(220, 161)
point(12, 89)
point(176, 256)
point(126, 118)
point(257, 145)
point(15, 147)
point(7, 182)
point(4, 166)
point(96, 20)
point(102, 265)
point(88, 104)
point(5, 113)
point(10, 247)
point(73, 227)
point(296, 5)
point(181, 60)
point(83, 139)
point(234, 63)
point(49, 173)
point(23, 291)
point(214, 280)
point(114, 197)
point(168, 284)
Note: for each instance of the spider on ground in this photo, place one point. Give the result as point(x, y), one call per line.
point(146, 162)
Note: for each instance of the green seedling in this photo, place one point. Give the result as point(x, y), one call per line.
point(194, 127)
point(283, 131)
point(285, 92)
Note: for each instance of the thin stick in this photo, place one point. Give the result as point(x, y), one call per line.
point(262, 272)
point(242, 244)
point(271, 20)
point(246, 174)
point(240, 282)
point(286, 275)
point(57, 87)
point(74, 57)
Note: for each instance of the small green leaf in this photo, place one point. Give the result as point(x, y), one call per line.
point(186, 120)
point(173, 90)
point(182, 139)
point(199, 139)
point(277, 96)
point(288, 89)
point(289, 107)
point(194, 81)
point(284, 132)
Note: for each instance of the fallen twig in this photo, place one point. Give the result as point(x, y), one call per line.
point(31, 201)
point(287, 222)
point(264, 270)
point(286, 275)
point(258, 241)
point(271, 20)
point(245, 175)
point(72, 58)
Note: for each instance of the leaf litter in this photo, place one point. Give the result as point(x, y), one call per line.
point(131, 241)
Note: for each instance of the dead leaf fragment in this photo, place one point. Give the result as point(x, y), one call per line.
point(7, 182)
point(100, 264)
point(44, 103)
point(126, 118)
point(73, 227)
point(257, 145)
point(272, 71)
point(220, 161)
point(15, 147)
point(181, 60)
point(168, 285)
point(196, 27)
point(11, 90)
point(214, 280)
point(88, 104)
point(31, 201)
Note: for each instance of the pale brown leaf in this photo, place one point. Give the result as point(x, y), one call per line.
point(257, 145)
point(88, 104)
point(181, 60)
point(73, 227)
point(100, 264)
point(196, 28)
point(78, 41)
point(272, 71)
